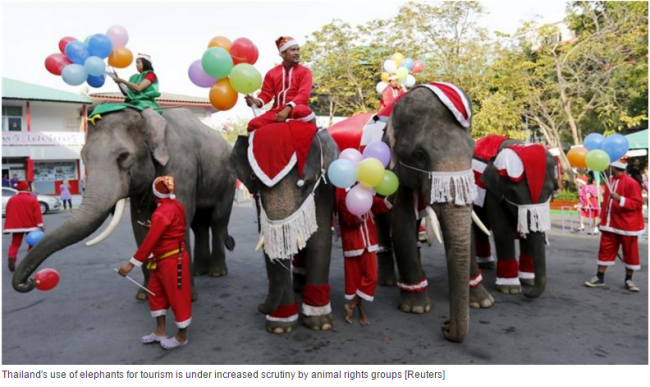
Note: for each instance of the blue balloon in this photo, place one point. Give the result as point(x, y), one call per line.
point(95, 66)
point(96, 81)
point(100, 45)
point(616, 146)
point(34, 237)
point(594, 141)
point(408, 63)
point(77, 52)
point(74, 74)
point(342, 173)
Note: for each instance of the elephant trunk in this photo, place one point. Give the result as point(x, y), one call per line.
point(537, 241)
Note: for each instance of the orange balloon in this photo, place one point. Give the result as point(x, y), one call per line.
point(577, 157)
point(220, 41)
point(121, 57)
point(222, 95)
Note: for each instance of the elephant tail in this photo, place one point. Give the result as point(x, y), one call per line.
point(230, 243)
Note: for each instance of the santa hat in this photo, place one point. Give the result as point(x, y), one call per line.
point(163, 187)
point(620, 164)
point(582, 179)
point(22, 185)
point(284, 42)
point(144, 56)
point(392, 77)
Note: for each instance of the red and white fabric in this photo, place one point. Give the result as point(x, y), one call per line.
point(610, 243)
point(284, 313)
point(420, 286)
point(357, 131)
point(476, 280)
point(389, 95)
point(624, 216)
point(316, 300)
point(486, 149)
point(507, 272)
point(361, 276)
point(16, 241)
point(454, 99)
point(23, 214)
point(298, 113)
point(526, 267)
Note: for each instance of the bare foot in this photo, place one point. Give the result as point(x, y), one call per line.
point(349, 309)
point(363, 317)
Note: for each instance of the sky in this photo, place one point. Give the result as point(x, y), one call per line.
point(175, 34)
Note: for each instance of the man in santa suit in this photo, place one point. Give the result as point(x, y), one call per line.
point(621, 223)
point(165, 252)
point(391, 92)
point(359, 239)
point(23, 216)
point(289, 85)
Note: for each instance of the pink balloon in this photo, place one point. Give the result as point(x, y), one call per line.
point(64, 42)
point(118, 35)
point(359, 200)
point(418, 66)
point(351, 155)
point(378, 150)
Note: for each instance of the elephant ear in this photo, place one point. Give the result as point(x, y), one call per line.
point(155, 128)
point(492, 181)
point(240, 166)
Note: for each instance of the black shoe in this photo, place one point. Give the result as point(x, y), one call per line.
point(12, 264)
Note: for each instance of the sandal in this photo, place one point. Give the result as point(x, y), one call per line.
point(172, 343)
point(152, 338)
point(629, 285)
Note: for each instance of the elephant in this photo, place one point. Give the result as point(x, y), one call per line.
point(513, 209)
point(124, 152)
point(285, 200)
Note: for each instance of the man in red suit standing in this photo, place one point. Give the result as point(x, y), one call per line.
point(391, 92)
point(289, 85)
point(23, 216)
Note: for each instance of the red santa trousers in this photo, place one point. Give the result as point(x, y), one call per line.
point(299, 112)
point(164, 283)
point(609, 245)
point(361, 276)
point(16, 241)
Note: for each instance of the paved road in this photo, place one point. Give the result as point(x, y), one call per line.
point(93, 318)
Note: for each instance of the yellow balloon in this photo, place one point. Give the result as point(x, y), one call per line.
point(384, 77)
point(397, 58)
point(370, 172)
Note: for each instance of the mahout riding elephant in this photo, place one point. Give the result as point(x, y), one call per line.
point(295, 207)
point(124, 152)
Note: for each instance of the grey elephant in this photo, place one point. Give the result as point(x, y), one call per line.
point(124, 152)
point(295, 214)
point(515, 187)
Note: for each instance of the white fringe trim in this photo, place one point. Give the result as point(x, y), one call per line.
point(508, 281)
point(463, 183)
point(540, 218)
point(309, 310)
point(473, 282)
point(291, 318)
point(419, 286)
point(281, 236)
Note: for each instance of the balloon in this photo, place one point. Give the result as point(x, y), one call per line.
point(370, 172)
point(34, 237)
point(95, 66)
point(46, 279)
point(352, 155)
point(220, 41)
point(358, 200)
point(397, 58)
point(390, 66)
point(388, 185)
point(418, 66)
point(77, 52)
point(96, 81)
point(577, 156)
point(402, 73)
point(409, 81)
point(64, 42)
point(597, 160)
point(216, 62)
point(384, 77)
point(100, 45)
point(593, 141)
point(198, 76)
point(378, 150)
point(74, 74)
point(408, 63)
point(244, 51)
point(245, 78)
point(120, 58)
point(381, 86)
point(55, 63)
point(342, 173)
point(118, 35)
point(616, 146)
point(222, 95)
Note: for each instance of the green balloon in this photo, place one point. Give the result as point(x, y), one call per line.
point(245, 78)
point(402, 73)
point(597, 160)
point(216, 62)
point(388, 185)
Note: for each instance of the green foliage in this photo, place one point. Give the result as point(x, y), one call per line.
point(566, 195)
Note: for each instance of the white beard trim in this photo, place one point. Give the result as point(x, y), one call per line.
point(463, 183)
point(540, 218)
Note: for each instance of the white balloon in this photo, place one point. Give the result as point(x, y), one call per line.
point(390, 66)
point(381, 86)
point(409, 81)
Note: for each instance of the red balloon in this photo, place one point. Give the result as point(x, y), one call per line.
point(418, 66)
point(243, 51)
point(56, 62)
point(64, 42)
point(46, 279)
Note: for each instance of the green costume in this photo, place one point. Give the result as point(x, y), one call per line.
point(138, 100)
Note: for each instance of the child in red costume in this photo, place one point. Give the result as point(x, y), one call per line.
point(169, 262)
point(23, 216)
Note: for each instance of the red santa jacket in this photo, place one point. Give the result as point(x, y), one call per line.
point(166, 232)
point(625, 216)
point(358, 234)
point(23, 213)
point(291, 87)
point(389, 95)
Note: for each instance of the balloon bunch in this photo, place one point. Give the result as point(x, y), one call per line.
point(227, 69)
point(369, 169)
point(598, 152)
point(403, 68)
point(81, 62)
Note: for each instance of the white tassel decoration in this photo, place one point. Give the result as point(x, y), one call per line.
point(540, 218)
point(463, 183)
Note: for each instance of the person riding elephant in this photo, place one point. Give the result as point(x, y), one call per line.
point(141, 88)
point(126, 149)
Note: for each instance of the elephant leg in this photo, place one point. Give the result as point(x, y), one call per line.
point(484, 256)
point(479, 296)
point(536, 245)
point(187, 199)
point(280, 305)
point(504, 231)
point(385, 260)
point(201, 245)
point(526, 268)
point(220, 219)
point(299, 270)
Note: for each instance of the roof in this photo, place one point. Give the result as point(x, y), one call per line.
point(164, 99)
point(638, 140)
point(13, 89)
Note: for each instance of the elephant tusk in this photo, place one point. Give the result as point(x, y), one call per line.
point(260, 243)
point(432, 226)
point(117, 216)
point(480, 224)
point(300, 244)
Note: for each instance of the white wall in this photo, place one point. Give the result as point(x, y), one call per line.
point(56, 117)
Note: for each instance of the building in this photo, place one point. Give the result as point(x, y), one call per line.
point(201, 107)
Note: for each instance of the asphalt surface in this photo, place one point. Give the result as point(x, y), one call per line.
point(92, 316)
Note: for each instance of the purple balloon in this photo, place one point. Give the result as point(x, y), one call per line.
point(118, 36)
point(198, 76)
point(351, 155)
point(359, 200)
point(378, 150)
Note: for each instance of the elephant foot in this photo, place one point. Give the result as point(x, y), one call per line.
point(219, 270)
point(480, 298)
point(264, 308)
point(527, 281)
point(451, 332)
point(280, 327)
point(509, 289)
point(299, 281)
point(487, 265)
point(386, 269)
point(318, 323)
point(200, 272)
point(414, 302)
point(141, 295)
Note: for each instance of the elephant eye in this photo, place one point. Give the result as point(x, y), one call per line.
point(419, 156)
point(123, 160)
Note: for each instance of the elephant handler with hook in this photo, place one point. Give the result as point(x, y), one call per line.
point(169, 264)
